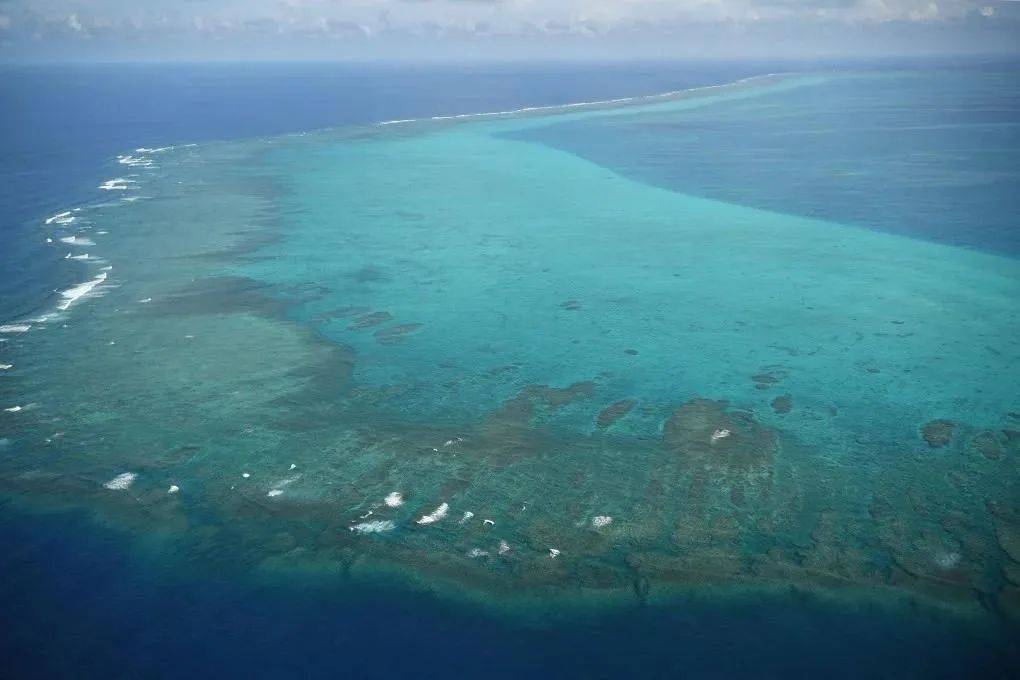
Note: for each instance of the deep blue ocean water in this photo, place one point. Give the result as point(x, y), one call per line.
point(78, 604)
point(827, 153)
point(83, 601)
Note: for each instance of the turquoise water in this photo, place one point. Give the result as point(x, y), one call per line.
point(485, 357)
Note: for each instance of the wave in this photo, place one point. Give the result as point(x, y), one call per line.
point(15, 328)
point(117, 184)
point(121, 481)
point(77, 241)
point(136, 161)
point(61, 218)
point(72, 295)
point(592, 104)
point(436, 515)
point(374, 527)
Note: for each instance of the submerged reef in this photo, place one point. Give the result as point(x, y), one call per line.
point(782, 404)
point(395, 334)
point(938, 433)
point(614, 412)
point(483, 409)
point(519, 501)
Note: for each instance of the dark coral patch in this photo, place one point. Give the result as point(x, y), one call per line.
point(222, 295)
point(938, 433)
point(782, 404)
point(768, 377)
point(556, 397)
point(987, 444)
point(521, 409)
point(571, 305)
point(695, 427)
point(369, 320)
point(394, 334)
point(722, 455)
point(614, 412)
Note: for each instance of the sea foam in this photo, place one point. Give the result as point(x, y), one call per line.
point(116, 184)
point(436, 515)
point(576, 105)
point(121, 481)
point(72, 295)
point(77, 241)
point(374, 527)
point(61, 218)
point(136, 161)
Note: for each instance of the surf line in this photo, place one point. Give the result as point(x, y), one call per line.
point(594, 103)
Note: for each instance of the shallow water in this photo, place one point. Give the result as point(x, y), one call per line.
point(672, 392)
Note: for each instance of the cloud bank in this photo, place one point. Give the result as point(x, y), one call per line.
point(502, 28)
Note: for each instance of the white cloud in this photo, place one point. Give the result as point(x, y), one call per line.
point(297, 24)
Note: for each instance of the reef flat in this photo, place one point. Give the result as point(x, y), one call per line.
point(445, 350)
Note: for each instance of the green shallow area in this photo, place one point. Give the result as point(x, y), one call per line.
point(586, 386)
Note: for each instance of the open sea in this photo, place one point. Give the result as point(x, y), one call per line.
point(687, 370)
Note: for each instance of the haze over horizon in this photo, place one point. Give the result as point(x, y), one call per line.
point(117, 30)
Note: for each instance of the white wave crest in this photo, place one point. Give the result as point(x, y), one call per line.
point(77, 241)
point(374, 527)
point(436, 515)
point(121, 481)
point(136, 161)
point(117, 184)
point(72, 295)
point(15, 328)
point(61, 218)
point(575, 105)
point(394, 500)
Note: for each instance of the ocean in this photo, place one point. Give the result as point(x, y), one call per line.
point(568, 370)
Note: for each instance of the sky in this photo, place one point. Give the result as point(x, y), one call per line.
point(115, 30)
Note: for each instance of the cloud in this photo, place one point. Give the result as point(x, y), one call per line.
point(298, 25)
